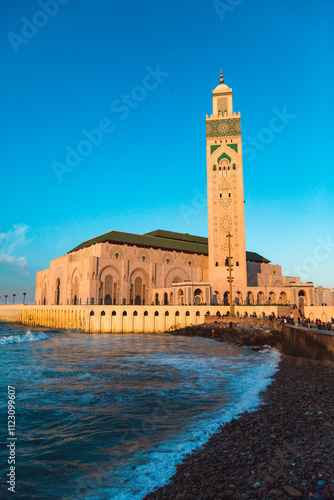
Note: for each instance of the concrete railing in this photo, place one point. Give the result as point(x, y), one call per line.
point(308, 343)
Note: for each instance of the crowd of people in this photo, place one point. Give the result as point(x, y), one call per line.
point(308, 323)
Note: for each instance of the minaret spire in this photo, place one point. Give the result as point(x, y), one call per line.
point(221, 80)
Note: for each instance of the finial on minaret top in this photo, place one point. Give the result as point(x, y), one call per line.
point(221, 80)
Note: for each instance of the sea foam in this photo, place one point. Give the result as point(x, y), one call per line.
point(25, 337)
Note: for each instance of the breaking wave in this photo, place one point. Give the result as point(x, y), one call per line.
point(24, 337)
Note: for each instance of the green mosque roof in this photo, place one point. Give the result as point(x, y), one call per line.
point(165, 240)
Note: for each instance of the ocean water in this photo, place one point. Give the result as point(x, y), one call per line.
point(108, 416)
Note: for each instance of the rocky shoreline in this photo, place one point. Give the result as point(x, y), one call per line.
point(283, 450)
point(250, 333)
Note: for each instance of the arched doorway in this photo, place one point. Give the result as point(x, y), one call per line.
point(108, 289)
point(198, 297)
point(216, 298)
point(283, 299)
point(57, 292)
point(166, 299)
point(157, 301)
point(301, 298)
point(108, 300)
point(139, 286)
point(272, 298)
point(180, 297)
point(238, 299)
point(226, 298)
point(260, 298)
point(250, 298)
point(138, 291)
point(137, 300)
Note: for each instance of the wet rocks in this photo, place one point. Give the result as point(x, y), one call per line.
point(250, 333)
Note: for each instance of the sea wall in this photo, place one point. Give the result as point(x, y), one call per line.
point(101, 318)
point(147, 319)
point(308, 343)
point(12, 313)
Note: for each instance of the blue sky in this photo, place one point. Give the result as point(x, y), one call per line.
point(143, 72)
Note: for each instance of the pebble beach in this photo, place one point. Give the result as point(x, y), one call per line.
point(283, 450)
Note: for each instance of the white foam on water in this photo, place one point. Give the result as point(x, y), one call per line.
point(23, 337)
point(159, 465)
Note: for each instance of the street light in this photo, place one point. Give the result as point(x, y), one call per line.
point(24, 296)
point(14, 295)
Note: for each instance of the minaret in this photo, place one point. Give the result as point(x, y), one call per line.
point(225, 192)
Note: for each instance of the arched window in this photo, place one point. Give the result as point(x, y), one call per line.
point(103, 313)
point(143, 258)
point(167, 261)
point(91, 313)
point(216, 264)
point(156, 313)
point(226, 261)
point(92, 301)
point(187, 313)
point(189, 263)
point(237, 263)
point(229, 195)
point(220, 195)
point(135, 313)
point(125, 313)
point(113, 313)
point(145, 313)
point(116, 255)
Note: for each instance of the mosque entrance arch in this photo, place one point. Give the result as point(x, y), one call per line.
point(139, 287)
point(301, 298)
point(138, 300)
point(198, 297)
point(108, 300)
point(109, 280)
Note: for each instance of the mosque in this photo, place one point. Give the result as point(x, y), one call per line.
point(167, 268)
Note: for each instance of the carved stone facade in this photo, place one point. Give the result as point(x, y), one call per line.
point(225, 191)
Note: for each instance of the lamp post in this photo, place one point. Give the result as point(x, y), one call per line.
point(24, 296)
point(6, 299)
point(14, 295)
point(230, 277)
